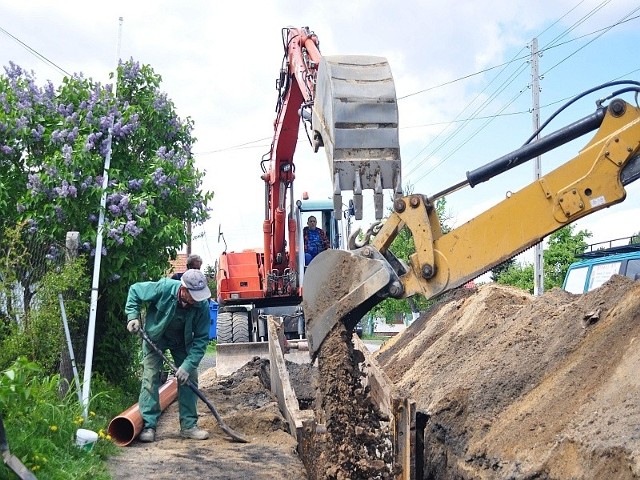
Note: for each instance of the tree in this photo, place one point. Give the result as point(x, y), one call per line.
point(53, 145)
point(403, 247)
point(518, 275)
point(561, 251)
point(503, 267)
point(563, 245)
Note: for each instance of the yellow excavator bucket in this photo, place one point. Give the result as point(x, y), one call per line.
point(340, 286)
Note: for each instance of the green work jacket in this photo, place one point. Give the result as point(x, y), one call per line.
point(161, 300)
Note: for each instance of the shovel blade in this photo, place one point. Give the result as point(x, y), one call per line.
point(18, 467)
point(339, 286)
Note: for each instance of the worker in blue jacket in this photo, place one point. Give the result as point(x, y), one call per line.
point(178, 319)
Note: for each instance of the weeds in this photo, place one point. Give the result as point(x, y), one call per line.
point(41, 426)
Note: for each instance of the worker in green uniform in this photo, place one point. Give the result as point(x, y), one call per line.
point(177, 318)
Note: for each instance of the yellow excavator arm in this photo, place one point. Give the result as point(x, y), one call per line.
point(343, 286)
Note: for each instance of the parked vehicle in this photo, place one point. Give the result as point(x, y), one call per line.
point(602, 260)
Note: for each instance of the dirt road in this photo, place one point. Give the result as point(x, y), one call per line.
point(247, 407)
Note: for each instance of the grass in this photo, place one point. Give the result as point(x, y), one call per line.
point(41, 426)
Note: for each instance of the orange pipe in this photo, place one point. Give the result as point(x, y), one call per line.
point(126, 426)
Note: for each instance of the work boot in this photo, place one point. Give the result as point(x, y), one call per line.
point(147, 435)
point(194, 433)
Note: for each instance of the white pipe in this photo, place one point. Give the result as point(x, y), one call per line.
point(70, 346)
point(86, 386)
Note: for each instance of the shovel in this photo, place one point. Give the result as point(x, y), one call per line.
point(236, 436)
point(12, 461)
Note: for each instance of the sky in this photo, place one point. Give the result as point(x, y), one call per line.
point(462, 75)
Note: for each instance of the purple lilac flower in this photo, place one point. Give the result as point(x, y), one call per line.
point(136, 184)
point(141, 209)
point(105, 146)
point(73, 134)
point(33, 226)
point(114, 198)
point(116, 130)
point(37, 134)
point(6, 149)
point(59, 213)
point(66, 153)
point(124, 202)
point(158, 177)
point(34, 183)
point(132, 229)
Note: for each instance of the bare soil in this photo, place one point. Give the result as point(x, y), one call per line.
point(511, 386)
point(246, 405)
point(507, 386)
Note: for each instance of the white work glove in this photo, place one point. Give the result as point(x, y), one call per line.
point(133, 326)
point(182, 375)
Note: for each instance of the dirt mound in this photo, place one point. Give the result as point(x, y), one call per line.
point(246, 404)
point(513, 386)
point(355, 442)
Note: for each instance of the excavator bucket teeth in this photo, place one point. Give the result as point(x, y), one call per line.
point(339, 286)
point(356, 115)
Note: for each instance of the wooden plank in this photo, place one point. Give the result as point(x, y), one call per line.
point(281, 386)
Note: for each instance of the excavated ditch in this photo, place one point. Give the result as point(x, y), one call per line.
point(352, 441)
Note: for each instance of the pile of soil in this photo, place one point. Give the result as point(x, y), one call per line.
point(511, 386)
point(246, 404)
point(353, 441)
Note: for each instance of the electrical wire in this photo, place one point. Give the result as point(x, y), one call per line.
point(35, 53)
point(607, 29)
point(588, 15)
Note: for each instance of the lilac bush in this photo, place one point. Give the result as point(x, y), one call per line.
point(53, 145)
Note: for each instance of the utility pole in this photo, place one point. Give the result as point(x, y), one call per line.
point(538, 264)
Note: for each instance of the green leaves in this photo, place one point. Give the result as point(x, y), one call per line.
point(14, 382)
point(53, 145)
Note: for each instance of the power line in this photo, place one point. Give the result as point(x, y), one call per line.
point(36, 53)
point(459, 129)
point(607, 29)
point(551, 46)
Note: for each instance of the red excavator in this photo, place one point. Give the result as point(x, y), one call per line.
point(347, 104)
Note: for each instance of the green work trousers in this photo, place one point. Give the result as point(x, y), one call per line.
point(149, 400)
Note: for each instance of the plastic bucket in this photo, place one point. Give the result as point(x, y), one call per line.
point(85, 439)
